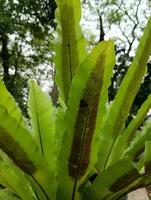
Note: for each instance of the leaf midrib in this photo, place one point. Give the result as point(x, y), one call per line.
point(38, 124)
point(68, 44)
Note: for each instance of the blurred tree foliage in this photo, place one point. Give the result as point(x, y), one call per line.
point(123, 21)
point(26, 28)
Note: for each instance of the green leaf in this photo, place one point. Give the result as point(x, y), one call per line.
point(102, 110)
point(39, 193)
point(42, 116)
point(119, 110)
point(70, 45)
point(138, 144)
point(113, 182)
point(87, 113)
point(124, 140)
point(15, 180)
point(9, 103)
point(16, 142)
point(6, 195)
point(60, 126)
point(147, 157)
point(81, 113)
point(146, 178)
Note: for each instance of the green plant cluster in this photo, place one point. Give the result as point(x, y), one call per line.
point(80, 149)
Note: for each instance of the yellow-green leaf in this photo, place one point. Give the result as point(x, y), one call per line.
point(9, 103)
point(42, 116)
point(70, 44)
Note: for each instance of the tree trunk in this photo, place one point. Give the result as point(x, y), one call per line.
point(5, 60)
point(102, 34)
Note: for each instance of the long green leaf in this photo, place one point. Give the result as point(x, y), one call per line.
point(106, 81)
point(124, 140)
point(39, 194)
point(147, 157)
point(9, 103)
point(6, 195)
point(15, 180)
point(42, 116)
point(81, 113)
point(138, 144)
point(87, 114)
point(118, 113)
point(60, 126)
point(70, 45)
point(16, 142)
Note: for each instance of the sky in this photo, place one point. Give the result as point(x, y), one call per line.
point(90, 21)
